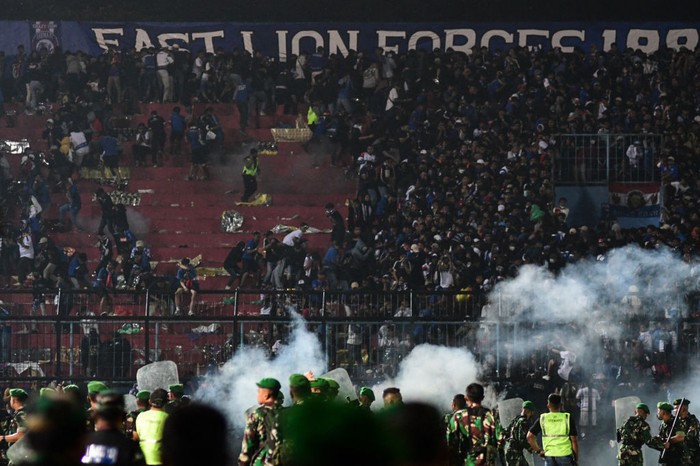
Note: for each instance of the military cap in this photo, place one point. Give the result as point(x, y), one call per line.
point(269, 383)
point(18, 393)
point(529, 405)
point(143, 395)
point(643, 407)
point(678, 401)
point(299, 381)
point(321, 384)
point(333, 385)
point(46, 391)
point(662, 405)
point(96, 387)
point(71, 388)
point(177, 389)
point(366, 391)
point(110, 401)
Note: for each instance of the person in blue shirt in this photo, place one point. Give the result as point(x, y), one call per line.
point(242, 97)
point(187, 284)
point(177, 131)
point(73, 205)
point(111, 151)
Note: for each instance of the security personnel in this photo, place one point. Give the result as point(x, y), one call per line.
point(689, 424)
point(320, 389)
point(94, 388)
point(278, 448)
point(251, 168)
point(632, 434)
point(366, 398)
point(176, 395)
point(516, 435)
point(259, 424)
point(333, 389)
point(149, 427)
point(108, 444)
point(559, 445)
point(671, 439)
point(18, 426)
point(142, 405)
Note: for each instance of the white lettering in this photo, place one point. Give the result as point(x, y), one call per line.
point(143, 40)
point(524, 34)
point(646, 40)
point(609, 38)
point(282, 45)
point(296, 41)
point(689, 36)
point(382, 37)
point(415, 38)
point(468, 34)
point(208, 38)
point(505, 35)
point(336, 44)
point(247, 41)
point(177, 36)
point(103, 42)
point(559, 35)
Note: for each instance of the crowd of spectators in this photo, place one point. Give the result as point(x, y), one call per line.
point(455, 156)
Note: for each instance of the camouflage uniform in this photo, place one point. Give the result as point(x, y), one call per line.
point(174, 405)
point(130, 424)
point(471, 437)
point(516, 435)
point(678, 454)
point(691, 426)
point(631, 435)
point(257, 436)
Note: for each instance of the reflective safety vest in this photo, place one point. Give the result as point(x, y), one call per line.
point(556, 429)
point(252, 170)
point(149, 427)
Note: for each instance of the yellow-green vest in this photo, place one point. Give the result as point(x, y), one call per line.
point(556, 430)
point(252, 170)
point(149, 427)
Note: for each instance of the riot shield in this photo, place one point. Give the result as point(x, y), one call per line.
point(624, 408)
point(130, 403)
point(346, 391)
point(507, 411)
point(160, 374)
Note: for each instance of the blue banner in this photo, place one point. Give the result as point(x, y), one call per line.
point(281, 40)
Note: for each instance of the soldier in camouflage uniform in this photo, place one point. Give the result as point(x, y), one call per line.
point(259, 424)
point(471, 436)
point(18, 426)
point(176, 395)
point(631, 435)
point(671, 439)
point(279, 449)
point(94, 388)
point(516, 435)
point(459, 402)
point(689, 424)
point(142, 405)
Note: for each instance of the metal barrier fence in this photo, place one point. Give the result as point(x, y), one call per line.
point(58, 335)
point(602, 158)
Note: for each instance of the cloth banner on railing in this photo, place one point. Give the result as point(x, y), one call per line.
point(635, 205)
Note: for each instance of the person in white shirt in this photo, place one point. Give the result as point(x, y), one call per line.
point(163, 61)
point(588, 399)
point(26, 256)
point(79, 146)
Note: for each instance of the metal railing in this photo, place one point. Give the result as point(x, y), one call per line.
point(57, 335)
point(587, 159)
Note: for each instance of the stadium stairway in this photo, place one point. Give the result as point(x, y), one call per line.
point(179, 218)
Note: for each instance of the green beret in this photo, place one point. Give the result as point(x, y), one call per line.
point(643, 407)
point(18, 393)
point(143, 395)
point(662, 405)
point(96, 387)
point(46, 391)
point(333, 385)
point(269, 383)
point(678, 401)
point(321, 384)
point(529, 405)
point(177, 389)
point(299, 381)
point(71, 388)
point(366, 391)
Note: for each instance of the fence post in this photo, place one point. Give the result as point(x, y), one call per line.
point(59, 331)
point(147, 331)
point(234, 333)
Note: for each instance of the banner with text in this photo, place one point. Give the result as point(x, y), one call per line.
point(635, 205)
point(281, 40)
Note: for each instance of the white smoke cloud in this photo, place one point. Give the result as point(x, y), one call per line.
point(233, 388)
point(433, 374)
